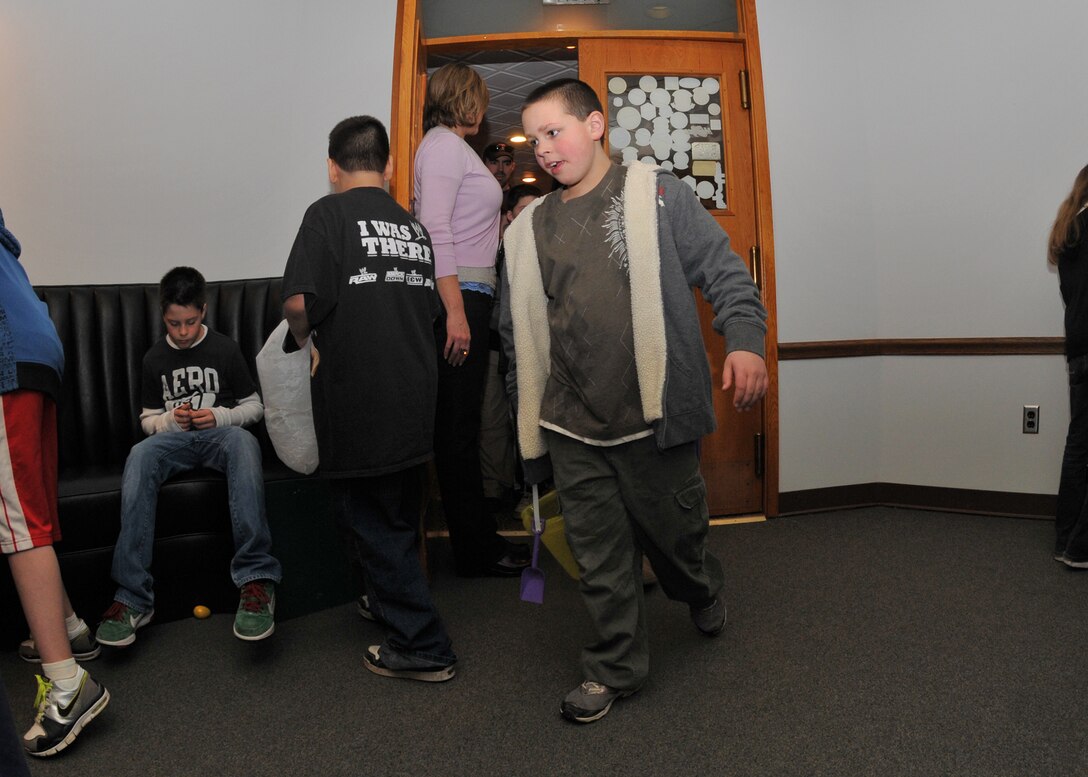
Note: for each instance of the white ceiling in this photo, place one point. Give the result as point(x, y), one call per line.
point(510, 76)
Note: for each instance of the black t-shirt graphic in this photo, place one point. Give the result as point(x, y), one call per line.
point(211, 373)
point(366, 268)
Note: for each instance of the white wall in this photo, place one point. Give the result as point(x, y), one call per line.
point(140, 134)
point(918, 155)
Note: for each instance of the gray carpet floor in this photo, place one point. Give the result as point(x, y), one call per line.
point(876, 641)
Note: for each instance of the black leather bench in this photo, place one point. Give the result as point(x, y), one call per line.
point(106, 329)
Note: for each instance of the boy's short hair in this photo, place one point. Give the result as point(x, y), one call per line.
point(510, 199)
point(359, 144)
point(456, 97)
point(577, 97)
point(182, 286)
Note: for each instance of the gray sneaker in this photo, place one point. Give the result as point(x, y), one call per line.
point(61, 715)
point(84, 647)
point(590, 701)
point(709, 619)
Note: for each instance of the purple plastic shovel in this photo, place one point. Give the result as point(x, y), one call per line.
point(532, 577)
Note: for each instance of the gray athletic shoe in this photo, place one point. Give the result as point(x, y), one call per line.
point(709, 619)
point(61, 715)
point(590, 701)
point(84, 647)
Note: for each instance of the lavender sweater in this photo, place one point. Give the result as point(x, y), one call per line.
point(458, 201)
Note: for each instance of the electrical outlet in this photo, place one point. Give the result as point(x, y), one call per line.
point(1031, 419)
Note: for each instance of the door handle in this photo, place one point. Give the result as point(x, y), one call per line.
point(757, 271)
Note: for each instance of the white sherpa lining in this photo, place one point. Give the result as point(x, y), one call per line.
point(532, 337)
point(647, 309)
point(529, 307)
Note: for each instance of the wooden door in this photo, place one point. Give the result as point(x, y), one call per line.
point(732, 456)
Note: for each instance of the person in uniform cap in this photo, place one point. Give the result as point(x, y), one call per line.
point(499, 159)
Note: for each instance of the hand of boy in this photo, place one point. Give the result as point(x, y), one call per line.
point(203, 419)
point(748, 373)
point(315, 359)
point(183, 416)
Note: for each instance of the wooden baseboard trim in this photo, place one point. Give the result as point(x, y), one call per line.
point(737, 519)
point(517, 533)
point(955, 500)
point(950, 346)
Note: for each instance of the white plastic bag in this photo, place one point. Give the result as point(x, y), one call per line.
point(288, 412)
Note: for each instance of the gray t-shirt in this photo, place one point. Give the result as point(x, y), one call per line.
point(592, 393)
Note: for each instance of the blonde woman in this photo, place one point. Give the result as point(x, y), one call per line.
point(458, 201)
point(1068, 249)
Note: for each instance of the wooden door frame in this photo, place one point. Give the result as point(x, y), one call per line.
point(405, 92)
point(746, 12)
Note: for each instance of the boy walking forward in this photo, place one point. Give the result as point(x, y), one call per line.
point(197, 395)
point(611, 378)
point(359, 284)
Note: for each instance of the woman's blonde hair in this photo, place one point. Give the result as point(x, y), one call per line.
point(456, 96)
point(1066, 231)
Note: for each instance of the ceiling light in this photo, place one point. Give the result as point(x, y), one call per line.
point(517, 138)
point(528, 179)
point(658, 12)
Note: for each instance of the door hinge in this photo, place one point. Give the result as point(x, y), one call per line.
point(759, 454)
point(745, 97)
point(757, 269)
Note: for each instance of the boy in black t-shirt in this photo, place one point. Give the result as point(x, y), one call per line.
point(359, 284)
point(197, 394)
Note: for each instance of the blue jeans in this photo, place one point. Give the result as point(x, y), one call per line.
point(230, 450)
point(383, 513)
point(1071, 522)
